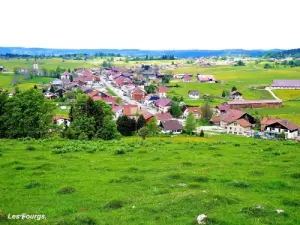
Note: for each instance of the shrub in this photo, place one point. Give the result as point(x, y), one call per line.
point(85, 220)
point(174, 176)
point(32, 184)
point(113, 204)
point(91, 151)
point(194, 186)
point(296, 175)
point(20, 168)
point(65, 190)
point(30, 148)
point(240, 184)
point(119, 152)
point(291, 202)
point(254, 211)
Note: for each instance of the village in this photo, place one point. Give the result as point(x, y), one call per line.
point(142, 91)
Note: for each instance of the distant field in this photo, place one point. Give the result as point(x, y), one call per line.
point(163, 181)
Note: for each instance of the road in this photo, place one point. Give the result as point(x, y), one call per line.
point(272, 93)
point(126, 99)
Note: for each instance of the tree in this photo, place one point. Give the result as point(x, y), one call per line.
point(109, 130)
point(143, 132)
point(175, 110)
point(152, 125)
point(52, 90)
point(150, 89)
point(14, 81)
point(35, 87)
point(234, 88)
point(190, 124)
point(124, 125)
point(240, 63)
point(206, 112)
point(201, 133)
point(71, 78)
point(224, 93)
point(267, 66)
point(27, 114)
point(141, 122)
point(165, 79)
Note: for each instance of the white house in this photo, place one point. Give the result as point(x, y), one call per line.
point(61, 121)
point(274, 127)
point(162, 92)
point(194, 94)
point(239, 127)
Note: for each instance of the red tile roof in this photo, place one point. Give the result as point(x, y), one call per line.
point(94, 93)
point(163, 89)
point(163, 102)
point(243, 123)
point(232, 115)
point(194, 110)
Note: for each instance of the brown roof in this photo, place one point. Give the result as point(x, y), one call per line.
point(163, 116)
point(131, 110)
point(194, 110)
point(240, 102)
point(147, 115)
point(243, 123)
point(163, 89)
point(232, 115)
point(287, 124)
point(171, 125)
point(215, 119)
point(163, 102)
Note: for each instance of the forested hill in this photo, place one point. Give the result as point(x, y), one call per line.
point(283, 54)
point(136, 52)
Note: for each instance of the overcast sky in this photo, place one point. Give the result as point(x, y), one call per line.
point(151, 24)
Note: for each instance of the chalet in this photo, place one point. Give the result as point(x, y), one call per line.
point(235, 95)
point(234, 115)
point(57, 83)
point(108, 100)
point(118, 111)
point(127, 89)
point(285, 84)
point(194, 110)
point(206, 78)
point(148, 116)
point(1, 68)
point(179, 76)
point(150, 75)
point(240, 127)
point(171, 126)
point(252, 104)
point(49, 95)
point(194, 94)
point(60, 120)
point(163, 105)
point(122, 81)
point(65, 76)
point(138, 94)
point(162, 117)
point(272, 128)
point(86, 80)
point(186, 78)
point(162, 92)
point(132, 111)
point(222, 109)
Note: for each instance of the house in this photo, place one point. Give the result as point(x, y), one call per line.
point(179, 76)
point(163, 105)
point(285, 84)
point(127, 89)
point(234, 115)
point(194, 94)
point(194, 110)
point(138, 94)
point(108, 99)
point(86, 80)
point(274, 127)
point(118, 111)
point(49, 95)
point(222, 109)
point(132, 111)
point(240, 127)
point(235, 95)
point(186, 78)
point(162, 92)
point(148, 116)
point(171, 126)
point(57, 83)
point(203, 78)
point(252, 104)
point(149, 99)
point(60, 120)
point(65, 76)
point(1, 68)
point(162, 117)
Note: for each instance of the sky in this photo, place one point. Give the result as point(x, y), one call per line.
point(150, 24)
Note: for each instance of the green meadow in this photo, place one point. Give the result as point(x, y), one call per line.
point(171, 180)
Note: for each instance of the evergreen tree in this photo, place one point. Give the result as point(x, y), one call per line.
point(71, 78)
point(175, 110)
point(52, 90)
point(141, 122)
point(124, 125)
point(206, 112)
point(190, 124)
point(201, 133)
point(234, 88)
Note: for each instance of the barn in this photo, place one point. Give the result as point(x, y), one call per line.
point(285, 84)
point(254, 104)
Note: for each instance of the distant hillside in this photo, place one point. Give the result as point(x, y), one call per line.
point(283, 54)
point(136, 52)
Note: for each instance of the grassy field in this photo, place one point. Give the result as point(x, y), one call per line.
point(6, 81)
point(163, 181)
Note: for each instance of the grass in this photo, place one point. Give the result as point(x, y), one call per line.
point(163, 180)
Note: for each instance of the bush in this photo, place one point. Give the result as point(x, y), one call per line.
point(30, 148)
point(201, 179)
point(85, 220)
point(113, 204)
point(119, 152)
point(296, 175)
point(240, 184)
point(32, 184)
point(20, 168)
point(66, 190)
point(291, 202)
